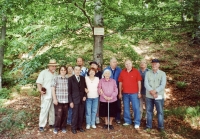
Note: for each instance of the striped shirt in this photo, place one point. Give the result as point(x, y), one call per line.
point(61, 88)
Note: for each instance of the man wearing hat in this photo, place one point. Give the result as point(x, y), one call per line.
point(44, 87)
point(155, 82)
point(98, 74)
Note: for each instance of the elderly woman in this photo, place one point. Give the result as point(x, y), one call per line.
point(60, 99)
point(92, 98)
point(108, 91)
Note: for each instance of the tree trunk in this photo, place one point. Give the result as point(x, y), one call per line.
point(197, 20)
point(98, 39)
point(2, 45)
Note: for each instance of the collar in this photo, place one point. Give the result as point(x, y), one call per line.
point(156, 71)
point(129, 71)
point(106, 80)
point(62, 77)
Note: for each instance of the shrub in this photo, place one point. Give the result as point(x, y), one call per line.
point(5, 93)
point(181, 85)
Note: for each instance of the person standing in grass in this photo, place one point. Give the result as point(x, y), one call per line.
point(60, 99)
point(98, 74)
point(77, 97)
point(108, 91)
point(115, 71)
point(44, 86)
point(130, 84)
point(69, 116)
point(155, 82)
point(92, 98)
point(143, 70)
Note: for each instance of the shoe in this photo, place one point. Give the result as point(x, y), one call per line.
point(118, 121)
point(64, 130)
point(97, 120)
point(105, 126)
point(74, 131)
point(88, 127)
point(41, 129)
point(137, 126)
point(81, 130)
point(126, 124)
point(161, 130)
point(55, 131)
point(50, 126)
point(94, 126)
point(111, 127)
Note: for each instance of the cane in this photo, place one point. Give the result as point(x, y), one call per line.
point(108, 116)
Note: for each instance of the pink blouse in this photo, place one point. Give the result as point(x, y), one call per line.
point(109, 89)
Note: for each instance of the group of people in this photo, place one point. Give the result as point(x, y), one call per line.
point(77, 93)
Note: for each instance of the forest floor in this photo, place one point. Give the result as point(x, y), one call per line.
point(181, 63)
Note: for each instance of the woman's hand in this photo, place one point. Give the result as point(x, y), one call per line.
point(84, 98)
point(101, 92)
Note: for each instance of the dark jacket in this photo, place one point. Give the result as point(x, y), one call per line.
point(76, 89)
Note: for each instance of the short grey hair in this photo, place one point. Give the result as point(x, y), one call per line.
point(106, 70)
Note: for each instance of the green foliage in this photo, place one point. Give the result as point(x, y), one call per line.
point(181, 85)
point(5, 93)
point(13, 120)
point(184, 112)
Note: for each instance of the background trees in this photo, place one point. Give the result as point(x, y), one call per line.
point(62, 29)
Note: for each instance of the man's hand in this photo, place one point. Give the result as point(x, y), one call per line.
point(152, 92)
point(84, 98)
point(139, 95)
point(72, 105)
point(101, 92)
point(55, 102)
point(155, 95)
point(42, 92)
point(86, 90)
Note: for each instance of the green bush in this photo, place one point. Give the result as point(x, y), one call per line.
point(181, 85)
point(5, 93)
point(12, 119)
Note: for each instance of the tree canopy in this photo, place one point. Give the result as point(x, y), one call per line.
point(62, 29)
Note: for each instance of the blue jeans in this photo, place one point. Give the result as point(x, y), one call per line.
point(69, 116)
point(133, 98)
point(91, 110)
point(159, 108)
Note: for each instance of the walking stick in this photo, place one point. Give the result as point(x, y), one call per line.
point(108, 116)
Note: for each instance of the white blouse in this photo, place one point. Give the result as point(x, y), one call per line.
point(92, 87)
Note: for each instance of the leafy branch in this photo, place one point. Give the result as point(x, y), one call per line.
point(84, 12)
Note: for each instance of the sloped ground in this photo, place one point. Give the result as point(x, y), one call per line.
point(179, 61)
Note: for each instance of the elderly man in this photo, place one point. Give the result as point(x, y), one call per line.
point(80, 63)
point(44, 86)
point(155, 82)
point(77, 97)
point(143, 70)
point(115, 71)
point(130, 83)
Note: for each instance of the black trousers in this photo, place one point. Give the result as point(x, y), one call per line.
point(60, 115)
point(78, 115)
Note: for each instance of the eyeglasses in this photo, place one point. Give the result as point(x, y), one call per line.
point(62, 70)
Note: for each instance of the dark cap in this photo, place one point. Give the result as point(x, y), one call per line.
point(93, 62)
point(155, 61)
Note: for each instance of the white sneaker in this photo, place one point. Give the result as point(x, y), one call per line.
point(94, 126)
point(88, 127)
point(137, 126)
point(97, 120)
point(126, 124)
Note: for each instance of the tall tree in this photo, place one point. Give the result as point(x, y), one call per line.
point(98, 39)
point(2, 46)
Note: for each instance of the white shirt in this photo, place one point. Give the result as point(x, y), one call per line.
point(45, 77)
point(92, 87)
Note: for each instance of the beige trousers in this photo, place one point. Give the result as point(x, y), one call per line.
point(47, 109)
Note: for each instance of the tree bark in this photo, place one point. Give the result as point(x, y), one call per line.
point(2, 46)
point(98, 39)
